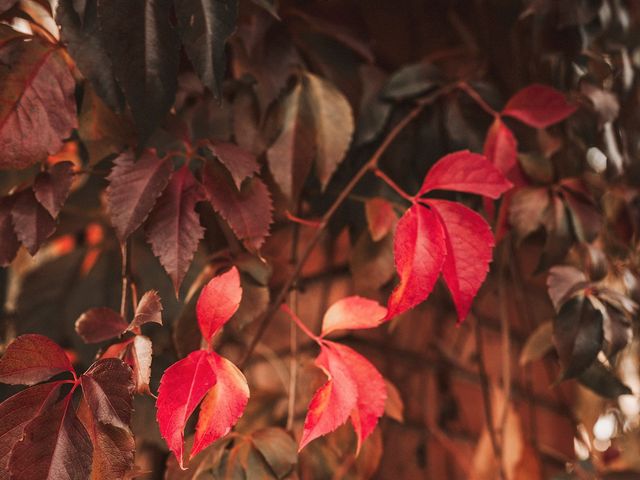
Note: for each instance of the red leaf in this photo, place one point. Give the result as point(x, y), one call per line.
point(55, 446)
point(332, 403)
point(240, 162)
point(100, 324)
point(32, 359)
point(182, 387)
point(372, 392)
point(32, 223)
point(538, 106)
point(381, 218)
point(108, 388)
point(353, 313)
point(53, 187)
point(149, 310)
point(501, 149)
point(223, 405)
point(38, 107)
point(134, 186)
point(135, 352)
point(465, 172)
point(419, 251)
point(469, 252)
point(15, 414)
point(249, 211)
point(9, 243)
point(173, 228)
point(218, 301)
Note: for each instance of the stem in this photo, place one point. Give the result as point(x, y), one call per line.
point(302, 221)
point(266, 318)
point(383, 176)
point(285, 308)
point(506, 341)
point(469, 90)
point(125, 251)
point(293, 369)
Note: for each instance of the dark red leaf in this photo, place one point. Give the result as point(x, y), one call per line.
point(218, 301)
point(149, 310)
point(55, 446)
point(419, 251)
point(222, 406)
point(466, 172)
point(9, 243)
point(183, 385)
point(538, 106)
point(15, 414)
point(241, 163)
point(353, 313)
point(31, 221)
point(53, 187)
point(134, 186)
point(108, 389)
point(173, 228)
point(32, 359)
point(100, 324)
point(248, 211)
point(38, 107)
point(469, 251)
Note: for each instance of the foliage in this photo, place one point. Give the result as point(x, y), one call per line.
point(224, 155)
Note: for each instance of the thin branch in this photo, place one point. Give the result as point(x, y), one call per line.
point(386, 179)
point(267, 317)
point(126, 260)
point(293, 340)
point(285, 308)
point(505, 341)
point(469, 90)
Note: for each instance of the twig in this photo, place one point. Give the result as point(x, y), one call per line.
point(505, 342)
point(469, 90)
point(126, 260)
point(266, 318)
point(293, 340)
point(386, 179)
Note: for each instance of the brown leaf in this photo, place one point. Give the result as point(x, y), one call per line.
point(9, 243)
point(539, 343)
point(241, 163)
point(100, 324)
point(381, 218)
point(394, 406)
point(38, 108)
point(173, 228)
point(149, 310)
point(134, 186)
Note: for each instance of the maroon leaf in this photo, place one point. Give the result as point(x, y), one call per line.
point(53, 187)
point(15, 414)
point(249, 211)
point(538, 106)
point(32, 223)
point(9, 243)
point(241, 163)
point(149, 310)
point(32, 359)
point(55, 446)
point(38, 107)
point(173, 228)
point(100, 324)
point(134, 186)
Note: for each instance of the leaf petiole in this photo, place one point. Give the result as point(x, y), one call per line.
point(285, 308)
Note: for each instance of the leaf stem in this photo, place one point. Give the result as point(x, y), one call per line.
point(386, 179)
point(266, 318)
point(286, 309)
point(473, 93)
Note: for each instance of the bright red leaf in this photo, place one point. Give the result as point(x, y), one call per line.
point(222, 406)
point(353, 313)
point(218, 301)
point(32, 359)
point(419, 250)
point(469, 251)
point(466, 172)
point(501, 149)
point(183, 385)
point(354, 389)
point(538, 106)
